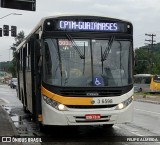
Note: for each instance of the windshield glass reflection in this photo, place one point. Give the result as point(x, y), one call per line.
point(70, 63)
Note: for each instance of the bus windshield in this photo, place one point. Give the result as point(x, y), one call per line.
point(156, 78)
point(81, 62)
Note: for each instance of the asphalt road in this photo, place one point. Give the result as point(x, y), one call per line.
point(146, 123)
point(147, 116)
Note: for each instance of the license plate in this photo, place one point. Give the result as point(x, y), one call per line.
point(92, 116)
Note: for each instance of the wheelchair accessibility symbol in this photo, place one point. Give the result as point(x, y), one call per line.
point(98, 81)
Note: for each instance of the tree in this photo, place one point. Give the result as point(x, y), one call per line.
point(147, 60)
point(141, 61)
point(18, 39)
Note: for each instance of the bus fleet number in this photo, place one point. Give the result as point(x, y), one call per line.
point(104, 101)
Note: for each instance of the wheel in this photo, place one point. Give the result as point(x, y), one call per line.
point(140, 89)
point(42, 127)
point(25, 109)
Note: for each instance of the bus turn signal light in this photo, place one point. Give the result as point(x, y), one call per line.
point(40, 117)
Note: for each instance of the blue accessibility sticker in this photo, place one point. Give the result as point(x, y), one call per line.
point(98, 81)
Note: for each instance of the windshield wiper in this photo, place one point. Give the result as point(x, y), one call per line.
point(107, 50)
point(75, 46)
point(104, 54)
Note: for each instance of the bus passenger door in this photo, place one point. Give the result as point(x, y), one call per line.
point(36, 79)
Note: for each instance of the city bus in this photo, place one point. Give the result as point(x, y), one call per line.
point(155, 84)
point(77, 70)
point(142, 82)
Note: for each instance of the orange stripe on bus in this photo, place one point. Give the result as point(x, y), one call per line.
point(66, 100)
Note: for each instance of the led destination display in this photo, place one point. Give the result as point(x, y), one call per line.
point(88, 25)
point(91, 26)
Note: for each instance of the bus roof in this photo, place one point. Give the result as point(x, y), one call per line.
point(82, 17)
point(143, 75)
point(41, 22)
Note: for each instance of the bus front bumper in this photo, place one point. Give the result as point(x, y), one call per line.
point(51, 116)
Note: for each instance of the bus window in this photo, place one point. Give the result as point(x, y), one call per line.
point(156, 78)
point(142, 82)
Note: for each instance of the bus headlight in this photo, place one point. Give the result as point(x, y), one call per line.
point(61, 107)
point(124, 103)
point(54, 104)
point(120, 106)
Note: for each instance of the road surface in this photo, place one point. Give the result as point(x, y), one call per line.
point(146, 123)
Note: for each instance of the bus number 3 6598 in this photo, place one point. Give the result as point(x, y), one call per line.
point(104, 101)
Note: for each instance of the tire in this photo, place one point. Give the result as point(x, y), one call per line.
point(42, 127)
point(140, 89)
point(25, 109)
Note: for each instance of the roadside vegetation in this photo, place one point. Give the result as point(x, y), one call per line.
point(10, 66)
point(147, 60)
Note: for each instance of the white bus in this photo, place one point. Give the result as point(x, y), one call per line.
point(77, 70)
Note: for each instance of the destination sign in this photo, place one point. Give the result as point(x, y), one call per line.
point(88, 26)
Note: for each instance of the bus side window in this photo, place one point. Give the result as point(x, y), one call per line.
point(137, 80)
point(48, 60)
point(148, 80)
point(143, 81)
point(18, 60)
point(29, 56)
point(21, 61)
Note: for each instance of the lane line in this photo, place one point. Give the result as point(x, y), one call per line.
point(116, 127)
point(147, 111)
point(136, 133)
point(5, 100)
point(132, 132)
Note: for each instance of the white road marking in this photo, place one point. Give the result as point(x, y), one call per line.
point(116, 127)
point(148, 111)
point(137, 133)
point(5, 100)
